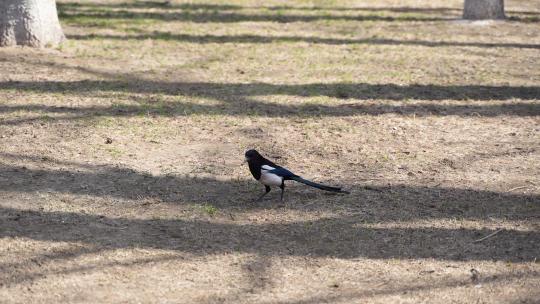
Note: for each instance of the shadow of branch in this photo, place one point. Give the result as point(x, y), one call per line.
point(293, 39)
point(236, 99)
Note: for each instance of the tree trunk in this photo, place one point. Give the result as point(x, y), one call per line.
point(483, 9)
point(29, 22)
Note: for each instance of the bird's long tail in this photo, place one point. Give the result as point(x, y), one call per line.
point(318, 186)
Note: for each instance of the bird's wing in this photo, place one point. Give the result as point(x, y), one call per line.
point(282, 172)
point(267, 167)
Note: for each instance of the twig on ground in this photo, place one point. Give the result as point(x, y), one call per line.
point(516, 188)
point(488, 236)
point(309, 204)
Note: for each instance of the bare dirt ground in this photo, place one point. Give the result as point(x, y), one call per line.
point(121, 175)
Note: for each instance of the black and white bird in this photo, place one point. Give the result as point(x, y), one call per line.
point(272, 175)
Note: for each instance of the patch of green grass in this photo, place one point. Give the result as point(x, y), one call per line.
point(104, 122)
point(85, 21)
point(158, 108)
point(101, 21)
point(46, 118)
point(210, 209)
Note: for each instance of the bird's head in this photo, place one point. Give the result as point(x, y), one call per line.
point(252, 155)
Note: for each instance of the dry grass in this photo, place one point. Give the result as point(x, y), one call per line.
point(432, 123)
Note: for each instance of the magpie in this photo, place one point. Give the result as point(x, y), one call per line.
point(270, 174)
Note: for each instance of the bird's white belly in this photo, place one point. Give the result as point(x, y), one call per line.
point(270, 179)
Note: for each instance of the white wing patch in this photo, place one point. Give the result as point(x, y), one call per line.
point(267, 167)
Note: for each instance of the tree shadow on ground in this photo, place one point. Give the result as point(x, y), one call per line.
point(387, 203)
point(228, 14)
point(362, 296)
point(231, 13)
point(316, 40)
point(15, 276)
point(229, 7)
point(203, 238)
point(226, 7)
point(342, 237)
point(348, 236)
point(239, 99)
point(360, 91)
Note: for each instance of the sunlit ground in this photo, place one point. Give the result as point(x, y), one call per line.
point(121, 174)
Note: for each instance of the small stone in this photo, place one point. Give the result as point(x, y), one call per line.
point(474, 275)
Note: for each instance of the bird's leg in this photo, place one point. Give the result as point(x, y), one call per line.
point(267, 189)
point(282, 189)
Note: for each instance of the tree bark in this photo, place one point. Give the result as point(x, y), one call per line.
point(483, 9)
point(29, 22)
